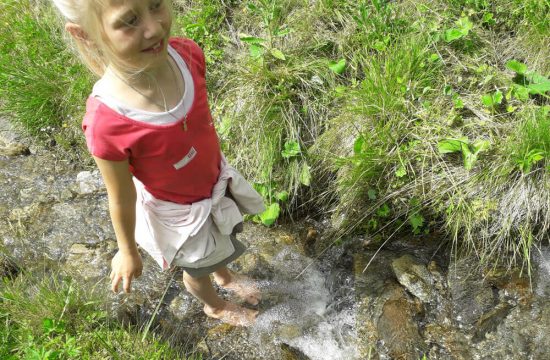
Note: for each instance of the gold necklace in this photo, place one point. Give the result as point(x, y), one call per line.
point(164, 106)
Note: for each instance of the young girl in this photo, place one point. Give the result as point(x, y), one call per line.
point(150, 131)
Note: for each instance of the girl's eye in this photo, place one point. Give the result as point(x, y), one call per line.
point(133, 21)
point(156, 5)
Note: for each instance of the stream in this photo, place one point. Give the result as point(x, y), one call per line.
point(319, 301)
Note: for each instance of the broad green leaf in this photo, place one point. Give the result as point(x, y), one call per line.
point(277, 54)
point(379, 45)
point(488, 18)
point(457, 101)
point(497, 97)
point(516, 66)
point(262, 190)
point(539, 89)
point(416, 220)
point(282, 196)
point(252, 39)
point(434, 57)
point(520, 92)
point(270, 215)
point(401, 171)
point(305, 175)
point(48, 325)
point(358, 145)
point(465, 25)
point(292, 148)
point(451, 145)
point(337, 67)
point(452, 34)
point(487, 100)
point(256, 51)
point(535, 78)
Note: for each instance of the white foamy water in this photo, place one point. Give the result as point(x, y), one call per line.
point(302, 315)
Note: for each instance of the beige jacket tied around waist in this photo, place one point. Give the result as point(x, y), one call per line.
point(199, 231)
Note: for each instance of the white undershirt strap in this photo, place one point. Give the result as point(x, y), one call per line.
point(159, 118)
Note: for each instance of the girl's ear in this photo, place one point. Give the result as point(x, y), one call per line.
point(77, 32)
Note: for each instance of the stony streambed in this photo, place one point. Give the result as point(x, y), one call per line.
point(319, 302)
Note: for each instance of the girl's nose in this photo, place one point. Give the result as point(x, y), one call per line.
point(153, 27)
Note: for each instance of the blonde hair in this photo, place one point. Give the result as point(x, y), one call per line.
point(75, 11)
point(96, 54)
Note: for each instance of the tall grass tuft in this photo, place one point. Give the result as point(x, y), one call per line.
point(43, 87)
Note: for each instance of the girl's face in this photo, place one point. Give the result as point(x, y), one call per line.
point(137, 32)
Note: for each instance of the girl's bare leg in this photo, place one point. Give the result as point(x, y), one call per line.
point(214, 306)
point(243, 286)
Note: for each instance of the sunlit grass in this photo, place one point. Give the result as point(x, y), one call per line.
point(50, 316)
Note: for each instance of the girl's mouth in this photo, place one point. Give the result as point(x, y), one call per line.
point(155, 48)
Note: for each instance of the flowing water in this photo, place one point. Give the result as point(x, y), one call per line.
point(313, 310)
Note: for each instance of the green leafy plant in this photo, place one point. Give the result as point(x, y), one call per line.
point(529, 159)
point(527, 82)
point(273, 198)
point(415, 218)
point(493, 100)
point(337, 67)
point(462, 29)
point(469, 151)
point(270, 13)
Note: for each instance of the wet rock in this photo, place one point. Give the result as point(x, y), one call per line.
point(290, 353)
point(90, 263)
point(8, 267)
point(446, 342)
point(13, 149)
point(184, 306)
point(398, 329)
point(385, 314)
point(489, 321)
point(89, 182)
point(471, 296)
point(414, 276)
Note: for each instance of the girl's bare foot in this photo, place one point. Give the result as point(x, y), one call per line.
point(232, 314)
point(242, 286)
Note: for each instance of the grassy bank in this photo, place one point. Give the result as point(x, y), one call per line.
point(50, 316)
point(402, 117)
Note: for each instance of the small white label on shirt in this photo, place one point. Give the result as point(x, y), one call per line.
point(186, 159)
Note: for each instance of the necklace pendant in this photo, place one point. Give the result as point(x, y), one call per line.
point(184, 125)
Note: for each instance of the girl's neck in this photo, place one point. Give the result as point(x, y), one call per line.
point(156, 90)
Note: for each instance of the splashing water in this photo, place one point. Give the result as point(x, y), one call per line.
point(303, 314)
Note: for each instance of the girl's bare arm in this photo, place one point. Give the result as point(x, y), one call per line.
point(121, 191)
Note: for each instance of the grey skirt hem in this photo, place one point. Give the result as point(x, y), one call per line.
point(203, 271)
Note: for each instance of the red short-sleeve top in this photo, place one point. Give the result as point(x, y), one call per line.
point(174, 164)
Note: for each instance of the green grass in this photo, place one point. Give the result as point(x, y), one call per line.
point(43, 87)
point(49, 316)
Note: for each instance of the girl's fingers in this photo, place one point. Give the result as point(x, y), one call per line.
point(114, 283)
point(126, 283)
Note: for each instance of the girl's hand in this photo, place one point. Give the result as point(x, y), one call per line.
point(125, 266)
